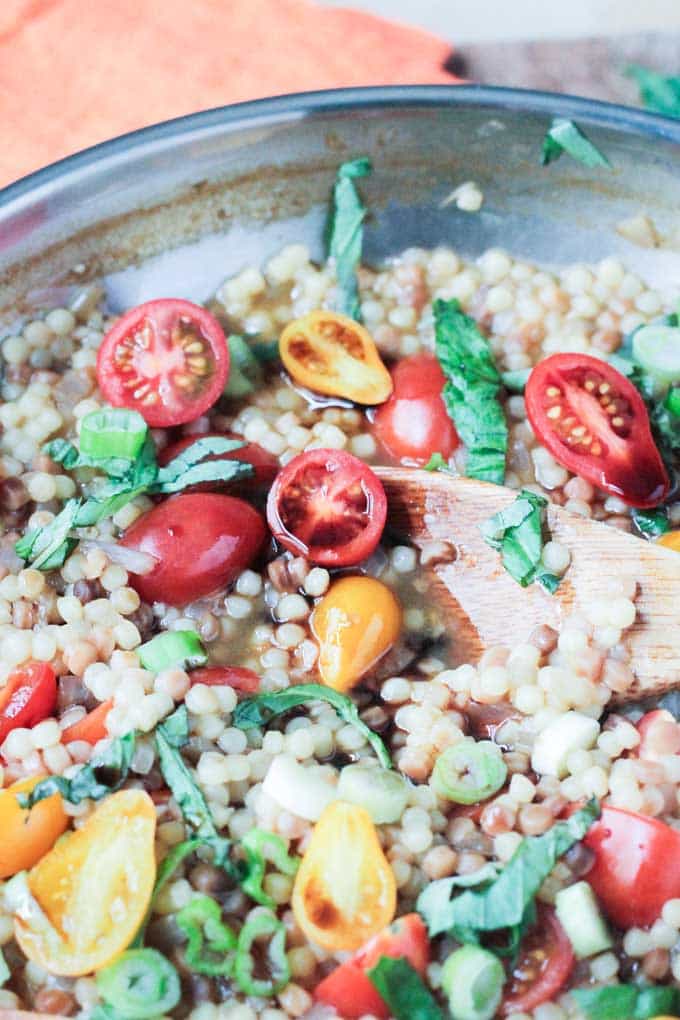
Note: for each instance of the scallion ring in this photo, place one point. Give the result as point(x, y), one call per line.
point(244, 965)
point(179, 649)
point(113, 432)
point(469, 772)
point(260, 846)
point(210, 943)
point(473, 978)
point(140, 984)
point(657, 349)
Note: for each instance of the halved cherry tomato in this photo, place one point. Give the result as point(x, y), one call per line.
point(328, 506)
point(659, 735)
point(87, 897)
point(356, 623)
point(241, 679)
point(671, 540)
point(594, 422)
point(332, 354)
point(28, 835)
point(546, 960)
point(202, 541)
point(344, 890)
point(634, 871)
point(414, 423)
point(351, 992)
point(167, 359)
point(28, 697)
point(91, 728)
point(265, 464)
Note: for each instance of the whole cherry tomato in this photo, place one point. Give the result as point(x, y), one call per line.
point(265, 464)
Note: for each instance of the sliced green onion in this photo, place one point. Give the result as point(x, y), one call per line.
point(140, 984)
point(473, 979)
point(244, 965)
point(181, 649)
point(469, 772)
point(256, 844)
point(672, 401)
point(210, 943)
point(113, 432)
point(381, 792)
point(657, 349)
point(245, 371)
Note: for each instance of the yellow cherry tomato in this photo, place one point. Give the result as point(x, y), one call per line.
point(85, 900)
point(26, 836)
point(356, 622)
point(344, 890)
point(671, 540)
point(332, 354)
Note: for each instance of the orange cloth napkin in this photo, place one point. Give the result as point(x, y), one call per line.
point(74, 72)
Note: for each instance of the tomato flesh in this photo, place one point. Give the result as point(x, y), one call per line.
point(201, 541)
point(635, 869)
point(243, 680)
point(264, 464)
point(414, 423)
point(91, 728)
point(167, 359)
point(328, 506)
point(28, 697)
point(659, 735)
point(545, 962)
point(595, 423)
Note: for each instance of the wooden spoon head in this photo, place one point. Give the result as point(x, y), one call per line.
point(487, 607)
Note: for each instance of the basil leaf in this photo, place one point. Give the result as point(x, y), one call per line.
point(650, 522)
point(517, 533)
point(207, 471)
point(170, 735)
point(105, 773)
point(564, 136)
point(471, 391)
point(208, 446)
point(65, 453)
point(627, 1002)
point(262, 708)
point(245, 370)
point(48, 547)
point(344, 235)
point(506, 901)
point(437, 463)
point(265, 350)
point(403, 989)
point(658, 92)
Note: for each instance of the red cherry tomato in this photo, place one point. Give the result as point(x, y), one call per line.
point(328, 506)
point(91, 728)
point(202, 541)
point(265, 464)
point(28, 697)
point(594, 422)
point(659, 735)
point(351, 992)
point(414, 423)
point(241, 679)
point(633, 874)
point(545, 962)
point(167, 359)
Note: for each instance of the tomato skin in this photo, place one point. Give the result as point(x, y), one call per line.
point(407, 936)
point(91, 728)
point(633, 874)
point(351, 993)
point(143, 355)
point(243, 680)
point(671, 540)
point(414, 423)
point(28, 697)
point(28, 835)
point(202, 542)
point(265, 464)
point(328, 506)
point(548, 937)
point(628, 463)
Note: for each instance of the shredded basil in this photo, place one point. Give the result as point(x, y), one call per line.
point(564, 136)
point(507, 901)
point(104, 774)
point(403, 990)
point(471, 391)
point(262, 708)
point(344, 234)
point(245, 369)
point(658, 92)
point(627, 1002)
point(517, 533)
point(651, 523)
point(437, 463)
point(171, 735)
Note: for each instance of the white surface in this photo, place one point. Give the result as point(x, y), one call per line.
point(492, 20)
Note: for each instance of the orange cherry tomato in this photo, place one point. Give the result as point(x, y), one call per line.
point(344, 890)
point(83, 903)
point(332, 354)
point(671, 540)
point(91, 728)
point(356, 623)
point(28, 835)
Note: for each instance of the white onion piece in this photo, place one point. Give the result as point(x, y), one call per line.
point(134, 561)
point(302, 791)
point(381, 792)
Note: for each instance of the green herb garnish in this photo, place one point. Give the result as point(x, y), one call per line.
point(171, 735)
point(344, 234)
point(403, 990)
point(564, 136)
point(245, 369)
point(627, 1002)
point(517, 533)
point(471, 391)
point(104, 774)
point(651, 523)
point(658, 92)
point(437, 463)
point(262, 708)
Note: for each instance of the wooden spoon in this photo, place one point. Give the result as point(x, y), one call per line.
point(489, 608)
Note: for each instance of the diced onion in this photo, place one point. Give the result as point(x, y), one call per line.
point(297, 789)
point(134, 561)
point(381, 792)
